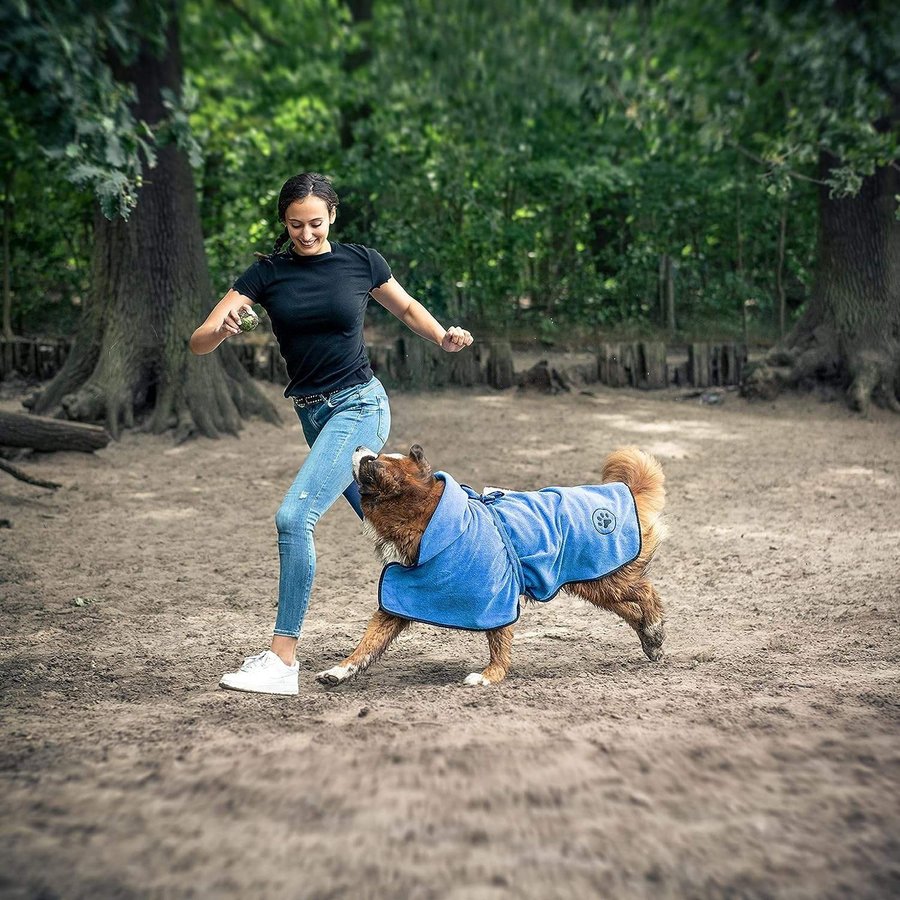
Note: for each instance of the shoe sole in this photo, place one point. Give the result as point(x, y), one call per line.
point(290, 692)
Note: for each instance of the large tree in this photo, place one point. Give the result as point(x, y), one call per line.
point(804, 92)
point(102, 87)
point(849, 334)
point(830, 77)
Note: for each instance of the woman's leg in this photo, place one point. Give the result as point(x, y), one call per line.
point(311, 432)
point(361, 418)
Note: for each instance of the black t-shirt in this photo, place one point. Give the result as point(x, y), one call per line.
point(317, 305)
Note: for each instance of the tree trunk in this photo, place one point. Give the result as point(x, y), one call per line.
point(7, 256)
point(779, 272)
point(849, 335)
point(669, 288)
point(150, 288)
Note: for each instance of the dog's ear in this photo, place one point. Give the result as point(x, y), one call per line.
point(417, 455)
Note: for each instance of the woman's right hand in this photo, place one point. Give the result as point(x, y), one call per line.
point(231, 324)
point(223, 322)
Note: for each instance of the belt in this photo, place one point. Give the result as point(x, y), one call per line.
point(313, 399)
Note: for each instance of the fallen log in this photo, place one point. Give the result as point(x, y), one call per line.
point(44, 433)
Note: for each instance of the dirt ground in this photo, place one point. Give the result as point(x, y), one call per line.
point(760, 758)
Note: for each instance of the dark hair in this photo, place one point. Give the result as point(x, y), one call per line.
point(299, 188)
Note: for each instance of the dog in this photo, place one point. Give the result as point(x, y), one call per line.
point(457, 558)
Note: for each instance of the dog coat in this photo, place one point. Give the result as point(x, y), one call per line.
point(481, 552)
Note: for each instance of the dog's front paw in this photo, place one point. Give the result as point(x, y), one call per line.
point(336, 675)
point(477, 678)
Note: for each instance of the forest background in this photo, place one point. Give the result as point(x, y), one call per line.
point(545, 171)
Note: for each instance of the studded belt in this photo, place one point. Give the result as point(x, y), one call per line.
point(313, 399)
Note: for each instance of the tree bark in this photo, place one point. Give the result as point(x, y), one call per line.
point(7, 256)
point(150, 288)
point(849, 336)
point(42, 433)
point(779, 272)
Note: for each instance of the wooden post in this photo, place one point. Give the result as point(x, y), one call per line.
point(630, 364)
point(462, 369)
point(650, 358)
point(736, 360)
point(679, 374)
point(500, 371)
point(698, 364)
point(45, 361)
point(612, 365)
point(728, 364)
point(419, 365)
point(714, 368)
point(603, 363)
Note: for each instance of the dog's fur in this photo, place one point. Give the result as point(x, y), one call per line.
point(399, 496)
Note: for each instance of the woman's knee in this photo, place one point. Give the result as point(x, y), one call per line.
point(296, 515)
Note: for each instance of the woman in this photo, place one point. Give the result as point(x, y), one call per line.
point(315, 292)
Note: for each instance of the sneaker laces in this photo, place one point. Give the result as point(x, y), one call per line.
point(255, 661)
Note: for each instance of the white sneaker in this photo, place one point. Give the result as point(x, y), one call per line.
point(264, 673)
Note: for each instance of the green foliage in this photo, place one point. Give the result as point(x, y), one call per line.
point(59, 57)
point(478, 159)
point(522, 165)
point(50, 238)
point(268, 109)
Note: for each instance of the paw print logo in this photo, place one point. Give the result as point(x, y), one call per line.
point(604, 521)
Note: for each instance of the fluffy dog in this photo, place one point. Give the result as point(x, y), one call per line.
point(461, 559)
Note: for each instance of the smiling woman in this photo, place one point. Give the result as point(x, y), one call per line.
point(307, 226)
point(315, 291)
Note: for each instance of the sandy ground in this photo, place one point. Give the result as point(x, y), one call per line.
point(760, 758)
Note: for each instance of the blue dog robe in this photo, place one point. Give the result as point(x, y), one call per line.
point(480, 553)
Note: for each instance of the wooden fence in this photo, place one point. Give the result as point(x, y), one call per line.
point(32, 359)
point(414, 363)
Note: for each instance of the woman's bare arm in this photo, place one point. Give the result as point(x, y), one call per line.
point(394, 298)
point(220, 324)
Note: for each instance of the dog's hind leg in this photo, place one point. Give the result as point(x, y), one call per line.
point(500, 645)
point(381, 630)
point(637, 602)
point(652, 627)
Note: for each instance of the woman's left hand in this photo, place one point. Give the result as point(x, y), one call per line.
point(455, 339)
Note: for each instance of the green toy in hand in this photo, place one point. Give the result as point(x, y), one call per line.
point(249, 319)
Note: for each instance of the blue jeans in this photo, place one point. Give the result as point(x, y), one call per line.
point(356, 416)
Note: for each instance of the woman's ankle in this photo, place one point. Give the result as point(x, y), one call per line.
point(284, 647)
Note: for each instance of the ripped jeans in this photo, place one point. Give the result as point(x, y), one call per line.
point(356, 416)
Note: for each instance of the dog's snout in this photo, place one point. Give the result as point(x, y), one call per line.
point(361, 454)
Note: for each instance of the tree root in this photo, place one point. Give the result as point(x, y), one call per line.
point(197, 395)
point(28, 479)
point(868, 377)
point(873, 382)
point(75, 371)
point(765, 382)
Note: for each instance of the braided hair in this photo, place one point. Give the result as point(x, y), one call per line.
point(299, 188)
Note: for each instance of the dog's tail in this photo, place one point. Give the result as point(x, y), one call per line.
point(645, 478)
